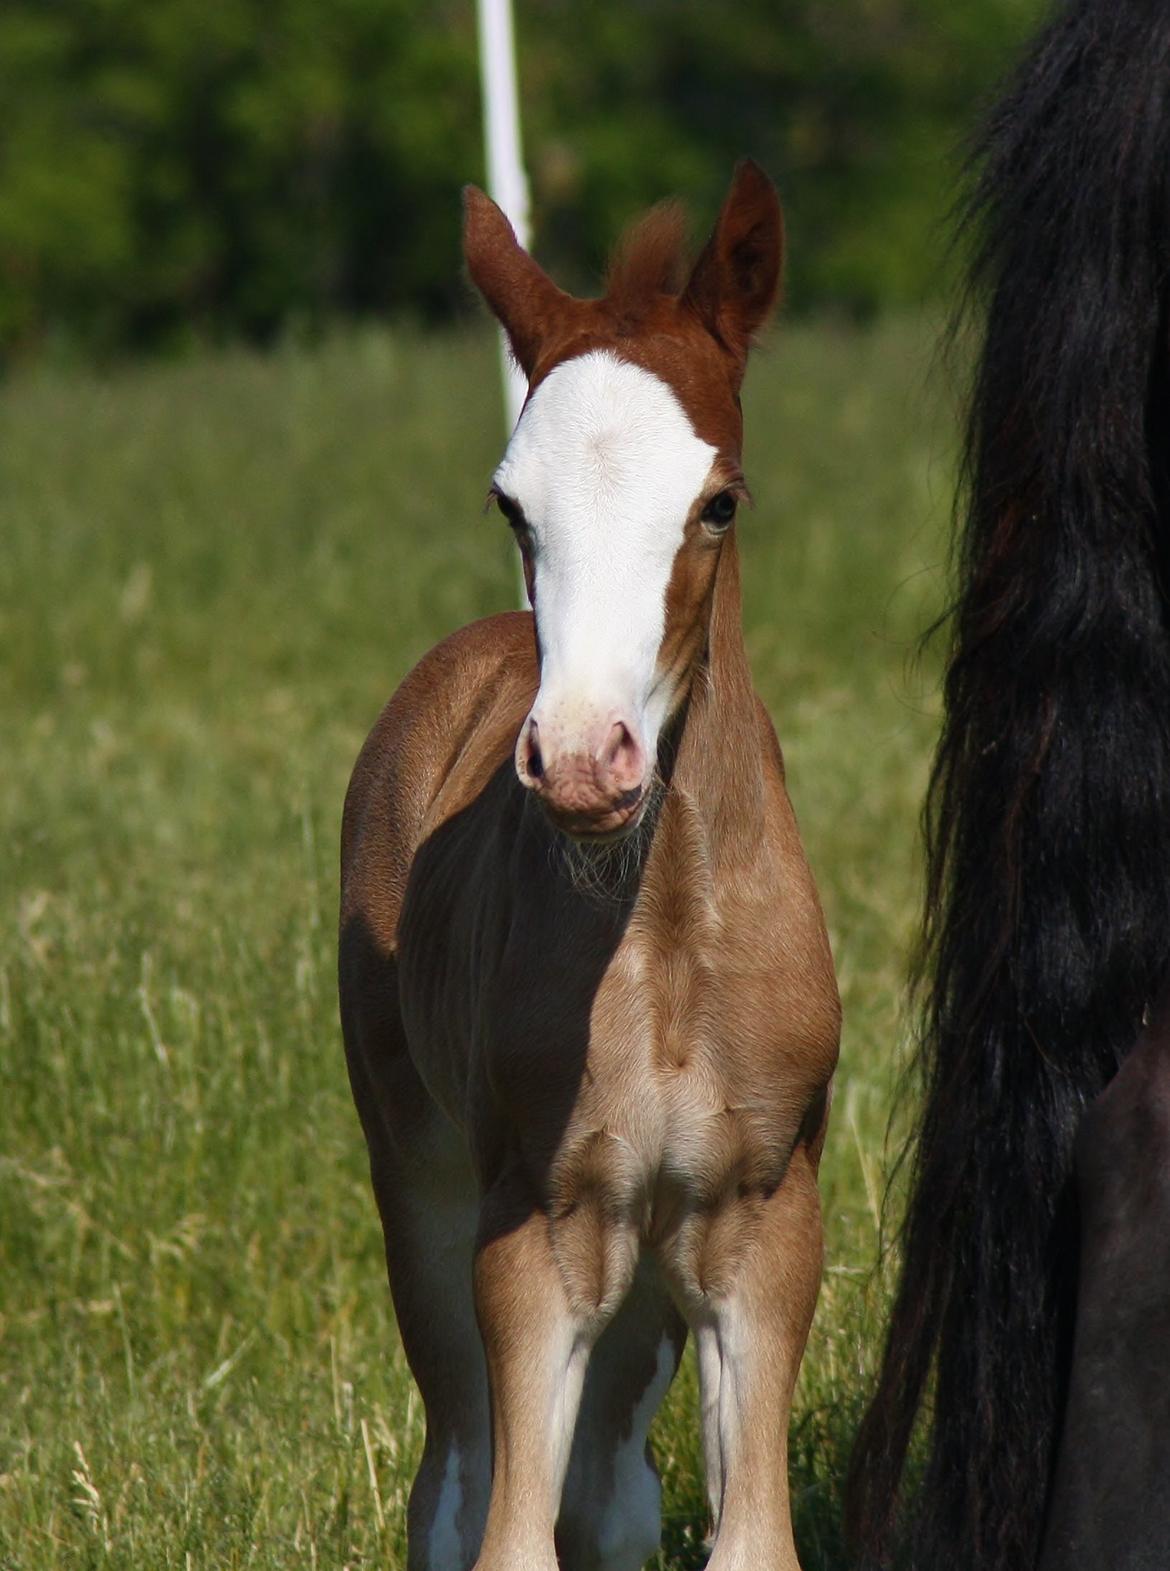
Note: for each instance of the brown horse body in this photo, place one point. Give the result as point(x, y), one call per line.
point(593, 1072)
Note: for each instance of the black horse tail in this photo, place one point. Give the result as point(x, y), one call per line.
point(1047, 923)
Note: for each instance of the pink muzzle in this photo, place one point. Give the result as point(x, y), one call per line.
point(591, 783)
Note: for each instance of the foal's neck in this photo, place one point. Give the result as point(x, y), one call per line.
point(720, 763)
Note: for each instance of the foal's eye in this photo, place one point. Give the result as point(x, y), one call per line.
point(719, 511)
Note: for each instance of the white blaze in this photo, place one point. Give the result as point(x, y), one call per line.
point(606, 466)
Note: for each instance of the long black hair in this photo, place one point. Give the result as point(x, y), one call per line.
point(1047, 922)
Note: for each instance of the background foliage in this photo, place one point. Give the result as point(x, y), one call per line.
point(179, 168)
point(213, 575)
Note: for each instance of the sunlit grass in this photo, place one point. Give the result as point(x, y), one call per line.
point(211, 577)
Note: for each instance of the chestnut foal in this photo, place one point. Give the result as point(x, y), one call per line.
point(588, 1001)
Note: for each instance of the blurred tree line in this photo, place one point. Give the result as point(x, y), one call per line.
point(208, 168)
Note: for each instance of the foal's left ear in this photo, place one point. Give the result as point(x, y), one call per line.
point(521, 294)
point(736, 279)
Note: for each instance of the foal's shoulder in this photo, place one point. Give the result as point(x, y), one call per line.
point(485, 668)
point(501, 646)
point(452, 719)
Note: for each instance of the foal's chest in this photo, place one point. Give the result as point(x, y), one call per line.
point(696, 1083)
point(641, 1058)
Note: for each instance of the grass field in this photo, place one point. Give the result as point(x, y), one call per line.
point(211, 576)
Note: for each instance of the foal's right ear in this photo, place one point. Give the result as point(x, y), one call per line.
point(520, 293)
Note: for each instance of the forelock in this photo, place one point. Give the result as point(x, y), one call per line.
point(649, 262)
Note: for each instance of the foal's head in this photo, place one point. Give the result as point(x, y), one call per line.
point(621, 482)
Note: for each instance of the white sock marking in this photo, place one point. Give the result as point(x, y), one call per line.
point(444, 1546)
point(630, 1526)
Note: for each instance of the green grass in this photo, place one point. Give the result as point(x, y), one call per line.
point(211, 576)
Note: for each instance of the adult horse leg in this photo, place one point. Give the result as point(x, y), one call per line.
point(1110, 1505)
point(541, 1307)
point(428, 1204)
point(749, 1339)
point(611, 1516)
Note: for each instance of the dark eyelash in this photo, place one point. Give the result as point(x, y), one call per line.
point(511, 510)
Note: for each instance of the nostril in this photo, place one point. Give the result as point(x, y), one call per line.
point(531, 762)
point(622, 757)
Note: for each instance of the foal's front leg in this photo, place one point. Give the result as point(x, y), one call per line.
point(538, 1331)
point(759, 1261)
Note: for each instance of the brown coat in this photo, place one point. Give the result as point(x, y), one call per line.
point(594, 1079)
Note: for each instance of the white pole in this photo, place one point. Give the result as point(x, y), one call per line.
point(501, 128)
